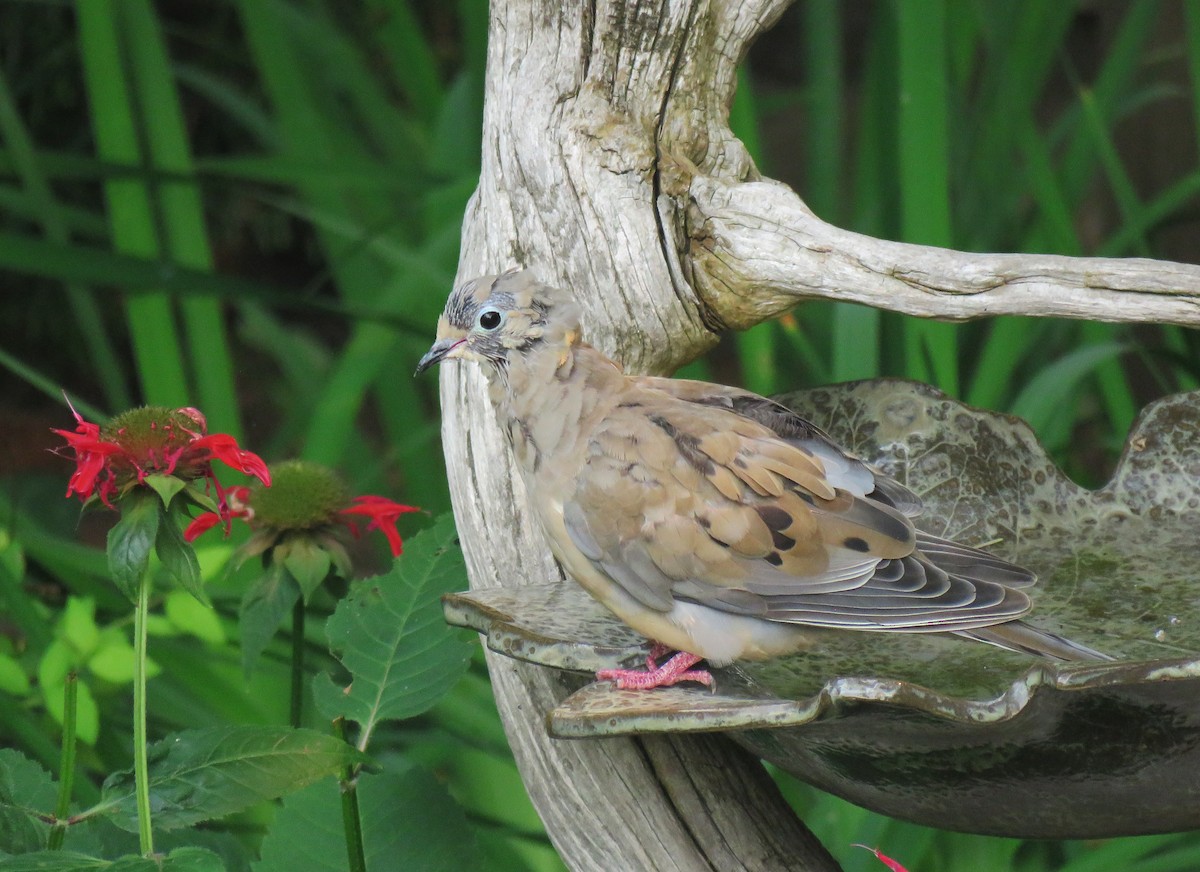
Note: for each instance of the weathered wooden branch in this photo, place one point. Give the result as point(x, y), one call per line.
point(609, 167)
point(756, 250)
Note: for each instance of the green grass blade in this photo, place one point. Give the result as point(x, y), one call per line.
point(52, 389)
point(855, 352)
point(1007, 343)
point(931, 348)
point(411, 55)
point(1120, 65)
point(1044, 398)
point(823, 68)
point(875, 173)
point(156, 346)
point(181, 212)
point(743, 115)
point(45, 206)
point(1054, 229)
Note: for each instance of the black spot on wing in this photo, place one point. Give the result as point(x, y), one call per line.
point(782, 542)
point(856, 543)
point(774, 517)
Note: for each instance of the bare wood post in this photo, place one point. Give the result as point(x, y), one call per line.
point(609, 167)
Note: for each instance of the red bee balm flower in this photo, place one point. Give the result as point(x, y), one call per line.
point(383, 514)
point(305, 500)
point(151, 440)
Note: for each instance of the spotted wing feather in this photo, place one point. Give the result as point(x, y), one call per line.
point(680, 500)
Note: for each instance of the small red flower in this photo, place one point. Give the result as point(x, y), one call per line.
point(151, 440)
point(235, 505)
point(383, 514)
point(893, 865)
point(309, 500)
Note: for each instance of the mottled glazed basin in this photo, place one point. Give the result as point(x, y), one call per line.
point(938, 730)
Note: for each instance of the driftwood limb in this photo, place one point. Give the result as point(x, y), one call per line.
point(608, 167)
point(757, 250)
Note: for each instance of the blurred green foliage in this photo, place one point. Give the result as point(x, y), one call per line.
point(253, 206)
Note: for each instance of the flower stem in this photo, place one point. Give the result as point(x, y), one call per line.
point(351, 821)
point(66, 768)
point(141, 768)
point(297, 700)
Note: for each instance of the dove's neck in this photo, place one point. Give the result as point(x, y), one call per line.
point(549, 398)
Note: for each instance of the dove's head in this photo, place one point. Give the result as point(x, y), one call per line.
point(491, 318)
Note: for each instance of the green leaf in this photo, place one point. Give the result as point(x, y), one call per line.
point(400, 653)
point(198, 775)
point(60, 861)
point(77, 626)
point(25, 788)
point(57, 660)
point(307, 562)
point(194, 617)
point(189, 859)
point(114, 658)
point(166, 486)
point(263, 608)
point(409, 821)
point(178, 557)
point(130, 541)
point(12, 676)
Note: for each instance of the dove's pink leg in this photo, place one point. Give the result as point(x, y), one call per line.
point(658, 649)
point(675, 670)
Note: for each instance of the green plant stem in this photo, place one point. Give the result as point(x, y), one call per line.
point(66, 769)
point(296, 709)
point(141, 767)
point(351, 821)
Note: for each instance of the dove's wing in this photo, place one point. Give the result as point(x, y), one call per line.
point(843, 469)
point(685, 500)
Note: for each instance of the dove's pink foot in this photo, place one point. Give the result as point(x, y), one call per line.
point(675, 670)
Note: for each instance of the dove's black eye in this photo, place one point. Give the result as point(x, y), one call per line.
point(489, 319)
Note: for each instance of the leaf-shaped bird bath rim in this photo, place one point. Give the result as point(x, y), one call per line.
point(934, 729)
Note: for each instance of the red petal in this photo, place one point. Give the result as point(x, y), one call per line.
point(201, 524)
point(383, 514)
point(91, 456)
point(893, 865)
point(224, 447)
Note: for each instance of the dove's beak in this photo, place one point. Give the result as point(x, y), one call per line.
point(441, 350)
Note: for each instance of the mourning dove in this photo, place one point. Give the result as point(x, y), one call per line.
point(715, 522)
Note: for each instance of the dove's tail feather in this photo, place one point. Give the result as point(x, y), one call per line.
point(1025, 639)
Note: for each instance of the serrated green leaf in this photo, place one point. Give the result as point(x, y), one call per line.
point(25, 788)
point(189, 859)
point(409, 821)
point(263, 608)
point(400, 653)
point(178, 557)
point(194, 618)
point(166, 486)
point(59, 861)
point(130, 541)
point(198, 775)
point(307, 563)
point(12, 676)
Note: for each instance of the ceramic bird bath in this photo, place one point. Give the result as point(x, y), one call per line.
point(938, 730)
